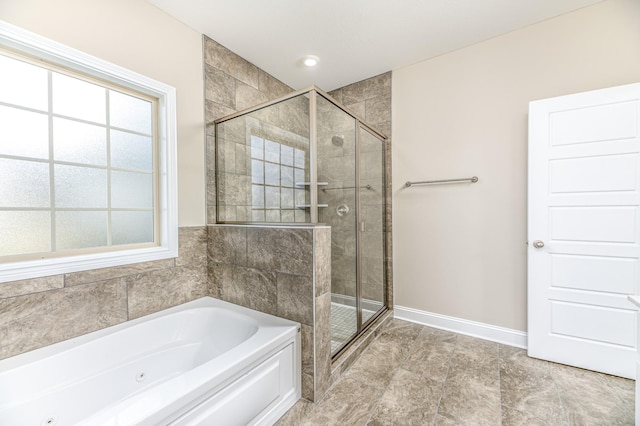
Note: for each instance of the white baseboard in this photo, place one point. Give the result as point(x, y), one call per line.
point(493, 333)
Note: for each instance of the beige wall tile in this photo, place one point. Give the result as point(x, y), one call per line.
point(154, 291)
point(94, 275)
point(35, 285)
point(36, 320)
point(295, 297)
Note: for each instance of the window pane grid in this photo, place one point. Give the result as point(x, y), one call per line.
point(79, 170)
point(273, 180)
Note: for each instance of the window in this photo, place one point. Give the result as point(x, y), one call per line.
point(87, 161)
point(277, 176)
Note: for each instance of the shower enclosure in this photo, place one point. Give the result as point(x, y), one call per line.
point(305, 159)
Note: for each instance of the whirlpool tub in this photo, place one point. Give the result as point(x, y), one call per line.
point(206, 362)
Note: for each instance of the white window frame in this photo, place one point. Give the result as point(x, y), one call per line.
point(50, 51)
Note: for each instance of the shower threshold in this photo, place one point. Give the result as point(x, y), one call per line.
point(344, 319)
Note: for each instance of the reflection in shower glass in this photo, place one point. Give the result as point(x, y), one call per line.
point(263, 162)
point(272, 180)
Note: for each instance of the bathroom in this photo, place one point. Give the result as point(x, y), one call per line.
point(458, 252)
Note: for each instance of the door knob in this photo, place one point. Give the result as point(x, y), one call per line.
point(538, 244)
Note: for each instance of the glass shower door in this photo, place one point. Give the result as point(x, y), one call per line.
point(336, 148)
point(372, 224)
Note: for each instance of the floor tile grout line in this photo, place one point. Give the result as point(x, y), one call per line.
point(500, 382)
point(444, 381)
point(396, 372)
point(375, 406)
point(607, 379)
point(558, 394)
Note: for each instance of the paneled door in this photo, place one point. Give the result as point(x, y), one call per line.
point(584, 229)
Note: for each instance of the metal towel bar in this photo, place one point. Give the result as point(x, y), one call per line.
point(472, 179)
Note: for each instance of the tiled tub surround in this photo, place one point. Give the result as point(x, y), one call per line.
point(42, 311)
point(283, 271)
point(194, 363)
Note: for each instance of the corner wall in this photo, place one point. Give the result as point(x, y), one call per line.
point(459, 250)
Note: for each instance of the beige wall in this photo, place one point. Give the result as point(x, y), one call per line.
point(138, 36)
point(459, 250)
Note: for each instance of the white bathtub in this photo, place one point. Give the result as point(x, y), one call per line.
point(206, 362)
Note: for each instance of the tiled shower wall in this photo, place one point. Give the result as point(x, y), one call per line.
point(231, 85)
point(371, 100)
point(258, 181)
point(43, 311)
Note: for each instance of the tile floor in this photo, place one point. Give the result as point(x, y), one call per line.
point(416, 375)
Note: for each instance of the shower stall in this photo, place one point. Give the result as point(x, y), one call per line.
point(305, 159)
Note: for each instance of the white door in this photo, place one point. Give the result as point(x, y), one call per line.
point(584, 229)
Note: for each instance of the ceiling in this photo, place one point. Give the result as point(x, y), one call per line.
point(354, 39)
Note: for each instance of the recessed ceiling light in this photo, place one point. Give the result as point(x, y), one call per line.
point(310, 61)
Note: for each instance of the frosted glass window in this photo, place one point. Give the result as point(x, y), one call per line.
point(287, 216)
point(86, 179)
point(131, 151)
point(299, 158)
point(300, 216)
point(257, 171)
point(132, 227)
point(81, 229)
point(257, 147)
point(287, 176)
point(257, 196)
point(272, 216)
point(299, 175)
point(272, 197)
point(23, 184)
point(80, 187)
point(286, 198)
point(23, 133)
point(24, 232)
point(22, 83)
point(76, 98)
point(272, 174)
point(301, 197)
point(77, 142)
point(130, 190)
point(271, 151)
point(129, 113)
point(286, 155)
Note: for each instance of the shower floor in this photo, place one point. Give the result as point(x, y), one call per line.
point(343, 324)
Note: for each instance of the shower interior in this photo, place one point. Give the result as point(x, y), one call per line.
point(305, 159)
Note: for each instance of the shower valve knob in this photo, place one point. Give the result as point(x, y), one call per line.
point(342, 209)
